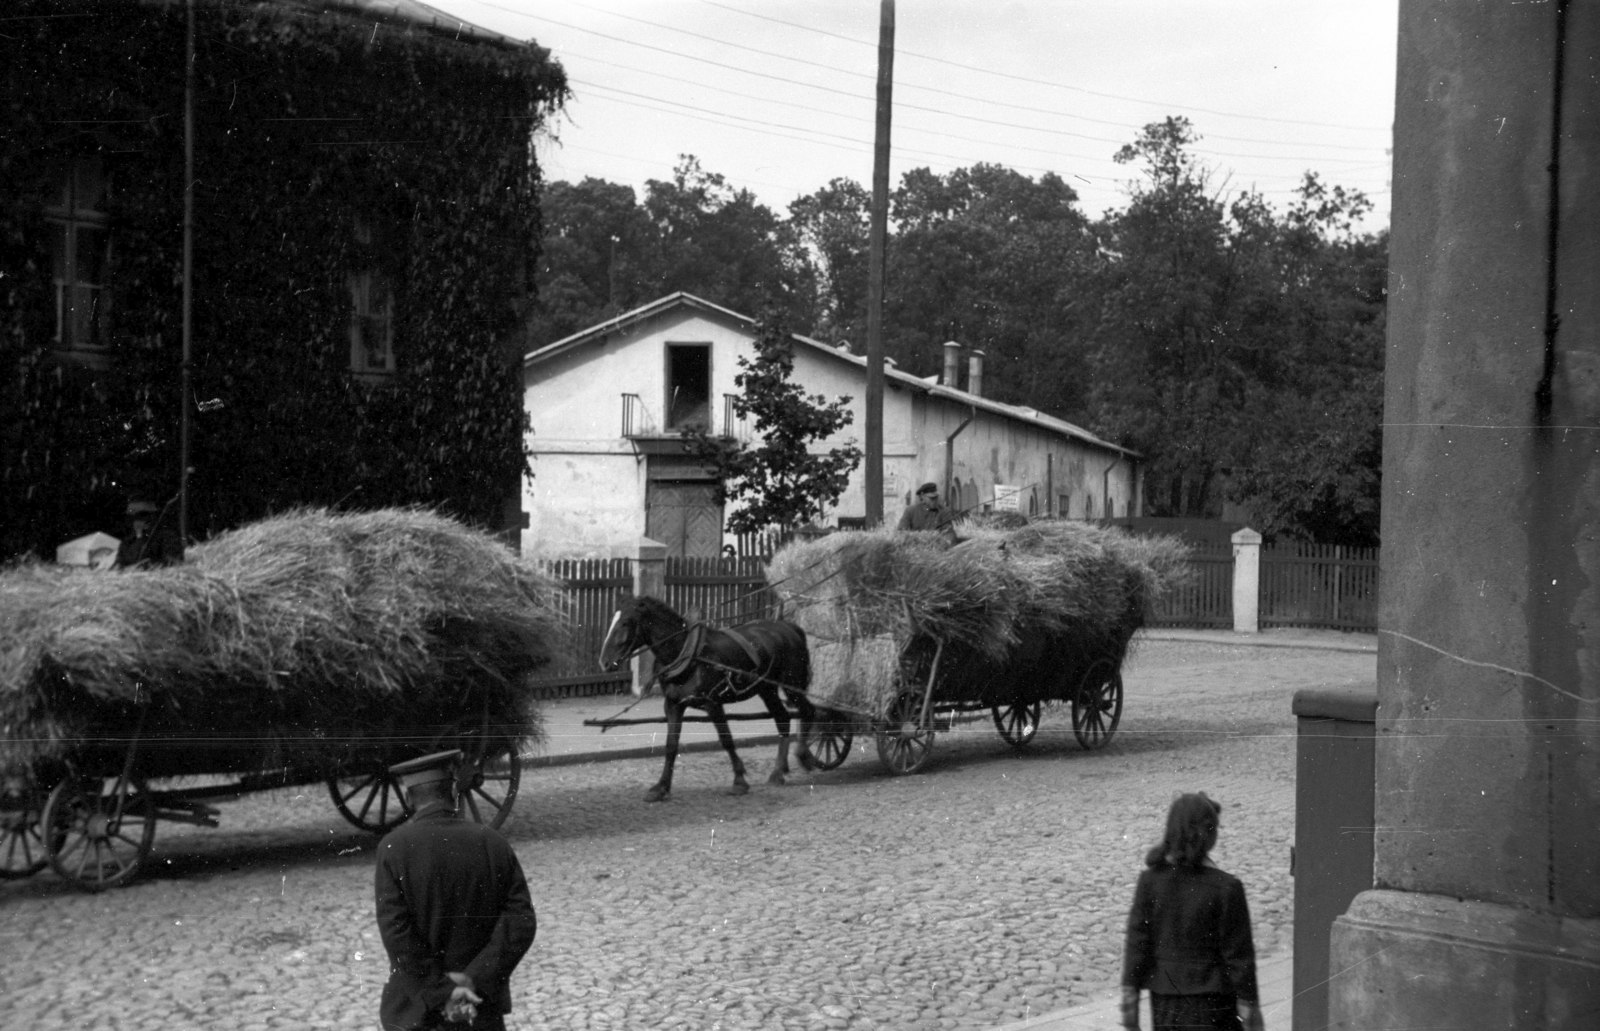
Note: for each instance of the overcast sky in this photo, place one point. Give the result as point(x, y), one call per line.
point(778, 95)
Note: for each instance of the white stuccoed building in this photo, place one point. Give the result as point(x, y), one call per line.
point(607, 404)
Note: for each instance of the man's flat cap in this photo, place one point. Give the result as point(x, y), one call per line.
point(928, 488)
point(426, 769)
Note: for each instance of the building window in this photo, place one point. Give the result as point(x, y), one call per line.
point(371, 324)
point(80, 244)
point(688, 386)
point(1064, 505)
point(1033, 502)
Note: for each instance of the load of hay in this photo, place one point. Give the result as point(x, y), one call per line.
point(1056, 595)
point(312, 638)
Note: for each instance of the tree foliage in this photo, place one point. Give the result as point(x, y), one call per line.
point(777, 479)
point(1241, 350)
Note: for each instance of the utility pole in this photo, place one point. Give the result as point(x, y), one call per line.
point(186, 388)
point(876, 260)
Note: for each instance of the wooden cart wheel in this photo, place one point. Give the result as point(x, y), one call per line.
point(825, 740)
point(904, 744)
point(100, 831)
point(1097, 707)
point(487, 781)
point(1018, 722)
point(22, 851)
point(373, 801)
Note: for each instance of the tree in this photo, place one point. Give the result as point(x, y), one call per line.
point(777, 481)
point(1241, 350)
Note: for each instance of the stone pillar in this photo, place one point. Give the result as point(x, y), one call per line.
point(1246, 581)
point(1485, 911)
point(649, 581)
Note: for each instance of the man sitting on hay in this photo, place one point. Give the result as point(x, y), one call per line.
point(925, 513)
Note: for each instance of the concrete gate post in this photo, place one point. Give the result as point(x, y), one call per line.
point(1246, 581)
point(1485, 908)
point(649, 581)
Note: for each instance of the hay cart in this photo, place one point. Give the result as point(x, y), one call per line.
point(910, 638)
point(92, 814)
point(313, 648)
point(939, 684)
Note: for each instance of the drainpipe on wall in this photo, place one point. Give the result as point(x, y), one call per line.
point(950, 453)
point(1105, 487)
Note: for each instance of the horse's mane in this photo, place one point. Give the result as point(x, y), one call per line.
point(649, 606)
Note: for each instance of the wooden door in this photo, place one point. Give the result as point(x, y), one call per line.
point(685, 516)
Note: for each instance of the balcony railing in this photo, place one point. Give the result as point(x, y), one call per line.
point(636, 419)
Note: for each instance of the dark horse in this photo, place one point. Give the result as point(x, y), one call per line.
point(704, 668)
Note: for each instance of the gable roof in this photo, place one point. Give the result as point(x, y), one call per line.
point(648, 312)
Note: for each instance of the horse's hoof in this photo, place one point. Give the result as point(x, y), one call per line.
point(739, 788)
point(777, 778)
point(655, 794)
point(806, 760)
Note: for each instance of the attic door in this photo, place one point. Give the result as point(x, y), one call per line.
point(684, 515)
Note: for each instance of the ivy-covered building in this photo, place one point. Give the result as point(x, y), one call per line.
point(364, 224)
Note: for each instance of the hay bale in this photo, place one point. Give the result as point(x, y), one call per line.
point(1061, 581)
point(309, 637)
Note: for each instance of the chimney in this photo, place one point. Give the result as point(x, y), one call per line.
point(952, 364)
point(974, 373)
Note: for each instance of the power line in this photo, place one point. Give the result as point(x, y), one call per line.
point(1046, 82)
point(903, 105)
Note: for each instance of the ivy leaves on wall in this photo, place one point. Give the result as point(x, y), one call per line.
point(324, 148)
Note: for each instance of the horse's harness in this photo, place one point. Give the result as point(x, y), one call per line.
point(690, 655)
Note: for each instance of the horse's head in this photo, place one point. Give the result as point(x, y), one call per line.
point(640, 623)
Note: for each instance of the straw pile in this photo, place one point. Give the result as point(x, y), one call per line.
point(308, 638)
point(864, 598)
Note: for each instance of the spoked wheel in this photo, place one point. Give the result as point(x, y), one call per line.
point(904, 744)
point(1097, 707)
point(487, 781)
point(825, 740)
point(373, 801)
point(22, 851)
point(99, 836)
point(1017, 723)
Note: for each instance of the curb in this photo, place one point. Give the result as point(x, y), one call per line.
point(1250, 640)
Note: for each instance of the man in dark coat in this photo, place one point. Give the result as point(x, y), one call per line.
point(453, 910)
point(152, 539)
point(925, 513)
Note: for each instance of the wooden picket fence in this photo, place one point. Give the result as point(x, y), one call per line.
point(720, 591)
point(1206, 600)
point(594, 590)
point(1319, 585)
point(1302, 585)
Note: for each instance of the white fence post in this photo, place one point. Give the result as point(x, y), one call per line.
point(649, 581)
point(1246, 581)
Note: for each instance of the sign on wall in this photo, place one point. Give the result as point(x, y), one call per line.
point(1007, 498)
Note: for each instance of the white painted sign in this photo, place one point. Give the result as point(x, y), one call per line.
point(1007, 498)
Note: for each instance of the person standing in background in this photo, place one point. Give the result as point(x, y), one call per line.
point(1189, 941)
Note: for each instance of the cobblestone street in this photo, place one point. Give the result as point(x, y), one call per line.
point(989, 888)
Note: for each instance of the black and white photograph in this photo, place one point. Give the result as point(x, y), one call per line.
point(750, 515)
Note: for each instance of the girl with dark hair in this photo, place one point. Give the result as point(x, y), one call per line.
point(1189, 938)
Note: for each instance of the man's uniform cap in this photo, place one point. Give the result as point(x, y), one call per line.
point(426, 769)
point(927, 488)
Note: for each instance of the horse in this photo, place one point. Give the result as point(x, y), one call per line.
point(705, 668)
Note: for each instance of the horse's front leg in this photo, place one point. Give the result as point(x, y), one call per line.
point(720, 720)
point(780, 716)
point(674, 727)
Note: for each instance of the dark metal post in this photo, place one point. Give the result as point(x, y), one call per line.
point(875, 274)
point(186, 388)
